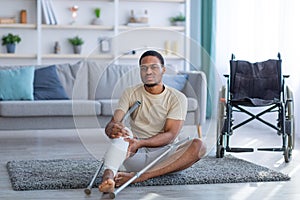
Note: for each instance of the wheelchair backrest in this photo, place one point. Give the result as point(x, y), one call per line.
point(261, 80)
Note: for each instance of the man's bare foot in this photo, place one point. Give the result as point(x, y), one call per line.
point(108, 184)
point(123, 177)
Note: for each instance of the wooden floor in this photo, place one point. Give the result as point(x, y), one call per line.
point(54, 144)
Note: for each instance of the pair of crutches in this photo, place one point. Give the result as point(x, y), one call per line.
point(88, 189)
point(112, 195)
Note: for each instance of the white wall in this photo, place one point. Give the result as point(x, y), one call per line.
point(256, 30)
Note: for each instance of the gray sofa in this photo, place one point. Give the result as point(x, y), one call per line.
point(93, 92)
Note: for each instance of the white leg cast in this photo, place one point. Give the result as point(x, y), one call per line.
point(116, 153)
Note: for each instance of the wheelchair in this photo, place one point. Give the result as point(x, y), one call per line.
point(259, 84)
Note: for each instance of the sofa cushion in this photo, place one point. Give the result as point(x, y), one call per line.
point(192, 104)
point(47, 85)
point(49, 108)
point(109, 81)
point(176, 81)
point(108, 106)
point(17, 83)
point(74, 78)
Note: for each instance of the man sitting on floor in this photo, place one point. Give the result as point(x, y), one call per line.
point(154, 125)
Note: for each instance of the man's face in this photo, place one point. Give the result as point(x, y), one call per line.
point(151, 70)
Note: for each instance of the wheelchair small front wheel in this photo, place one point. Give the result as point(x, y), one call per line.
point(220, 151)
point(287, 154)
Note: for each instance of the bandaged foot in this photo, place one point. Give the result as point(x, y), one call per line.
point(114, 157)
point(116, 154)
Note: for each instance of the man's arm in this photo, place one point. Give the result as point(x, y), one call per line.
point(171, 130)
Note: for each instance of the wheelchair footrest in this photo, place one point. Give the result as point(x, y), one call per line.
point(269, 149)
point(237, 149)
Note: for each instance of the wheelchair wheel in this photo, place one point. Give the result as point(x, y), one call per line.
point(220, 150)
point(291, 126)
point(290, 117)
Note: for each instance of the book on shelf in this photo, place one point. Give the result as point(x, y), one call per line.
point(48, 12)
point(51, 12)
point(7, 20)
point(54, 14)
point(45, 16)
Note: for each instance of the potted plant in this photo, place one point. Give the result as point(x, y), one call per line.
point(77, 42)
point(10, 40)
point(178, 20)
point(97, 20)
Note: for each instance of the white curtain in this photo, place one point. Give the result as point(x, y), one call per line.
point(256, 30)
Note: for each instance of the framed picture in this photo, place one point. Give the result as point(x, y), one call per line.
point(105, 45)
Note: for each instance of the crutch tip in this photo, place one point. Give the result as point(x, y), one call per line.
point(112, 195)
point(87, 191)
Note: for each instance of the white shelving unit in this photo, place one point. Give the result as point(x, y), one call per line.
point(76, 56)
point(37, 45)
point(18, 26)
point(83, 27)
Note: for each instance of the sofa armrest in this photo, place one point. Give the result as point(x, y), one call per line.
point(196, 87)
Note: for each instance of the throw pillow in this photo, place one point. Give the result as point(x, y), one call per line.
point(175, 81)
point(16, 84)
point(47, 85)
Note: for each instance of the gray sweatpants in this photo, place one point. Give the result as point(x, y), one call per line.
point(115, 156)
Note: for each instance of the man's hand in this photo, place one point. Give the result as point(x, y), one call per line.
point(116, 130)
point(133, 146)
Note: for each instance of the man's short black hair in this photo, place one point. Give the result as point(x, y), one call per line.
point(152, 53)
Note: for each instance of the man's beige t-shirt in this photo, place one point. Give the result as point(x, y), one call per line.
point(150, 117)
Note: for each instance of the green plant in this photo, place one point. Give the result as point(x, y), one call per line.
point(178, 18)
point(76, 41)
point(10, 39)
point(97, 12)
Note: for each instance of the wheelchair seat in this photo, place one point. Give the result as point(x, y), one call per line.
point(255, 84)
point(259, 84)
